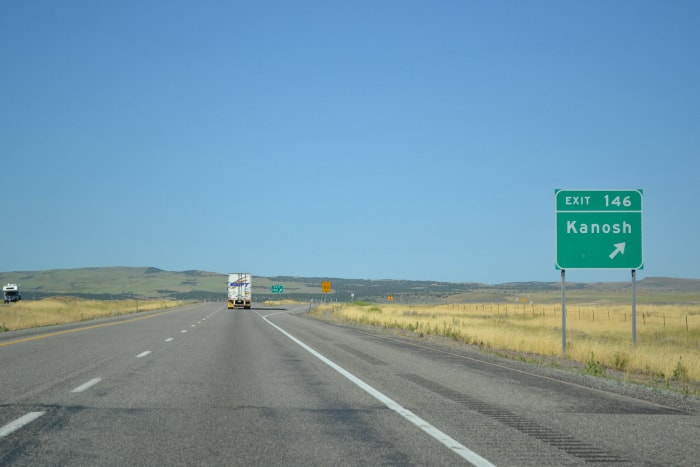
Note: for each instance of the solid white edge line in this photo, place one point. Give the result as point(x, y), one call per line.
point(87, 385)
point(143, 354)
point(19, 423)
point(445, 439)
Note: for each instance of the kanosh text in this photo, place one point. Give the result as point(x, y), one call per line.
point(572, 227)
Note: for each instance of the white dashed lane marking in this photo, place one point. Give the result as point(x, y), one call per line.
point(31, 416)
point(88, 385)
point(19, 423)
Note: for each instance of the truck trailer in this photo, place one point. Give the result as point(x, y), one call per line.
point(11, 293)
point(239, 290)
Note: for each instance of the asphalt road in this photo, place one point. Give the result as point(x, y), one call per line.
point(204, 385)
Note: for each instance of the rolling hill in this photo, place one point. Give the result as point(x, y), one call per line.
point(149, 282)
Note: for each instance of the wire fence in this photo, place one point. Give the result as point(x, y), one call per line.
point(659, 316)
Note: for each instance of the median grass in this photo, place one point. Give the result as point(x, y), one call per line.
point(598, 336)
point(30, 314)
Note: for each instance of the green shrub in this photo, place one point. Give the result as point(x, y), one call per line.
point(681, 371)
point(594, 367)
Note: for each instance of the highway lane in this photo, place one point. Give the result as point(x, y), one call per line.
point(210, 386)
point(228, 389)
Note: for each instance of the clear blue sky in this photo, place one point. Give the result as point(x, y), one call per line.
point(365, 139)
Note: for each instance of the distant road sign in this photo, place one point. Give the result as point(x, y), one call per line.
point(325, 286)
point(599, 229)
point(277, 288)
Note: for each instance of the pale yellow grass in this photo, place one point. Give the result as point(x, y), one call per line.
point(280, 302)
point(668, 337)
point(30, 314)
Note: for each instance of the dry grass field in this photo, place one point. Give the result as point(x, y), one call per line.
point(598, 336)
point(30, 314)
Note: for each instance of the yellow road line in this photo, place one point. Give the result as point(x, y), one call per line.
point(94, 326)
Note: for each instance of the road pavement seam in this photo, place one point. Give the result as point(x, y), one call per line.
point(550, 436)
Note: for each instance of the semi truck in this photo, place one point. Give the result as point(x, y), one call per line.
point(11, 293)
point(239, 290)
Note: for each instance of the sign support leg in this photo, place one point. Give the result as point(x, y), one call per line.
point(634, 307)
point(563, 312)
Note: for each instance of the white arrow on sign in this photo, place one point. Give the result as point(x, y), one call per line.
point(619, 248)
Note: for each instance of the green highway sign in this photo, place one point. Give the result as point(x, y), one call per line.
point(277, 288)
point(599, 229)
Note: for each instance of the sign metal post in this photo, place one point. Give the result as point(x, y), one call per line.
point(598, 229)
